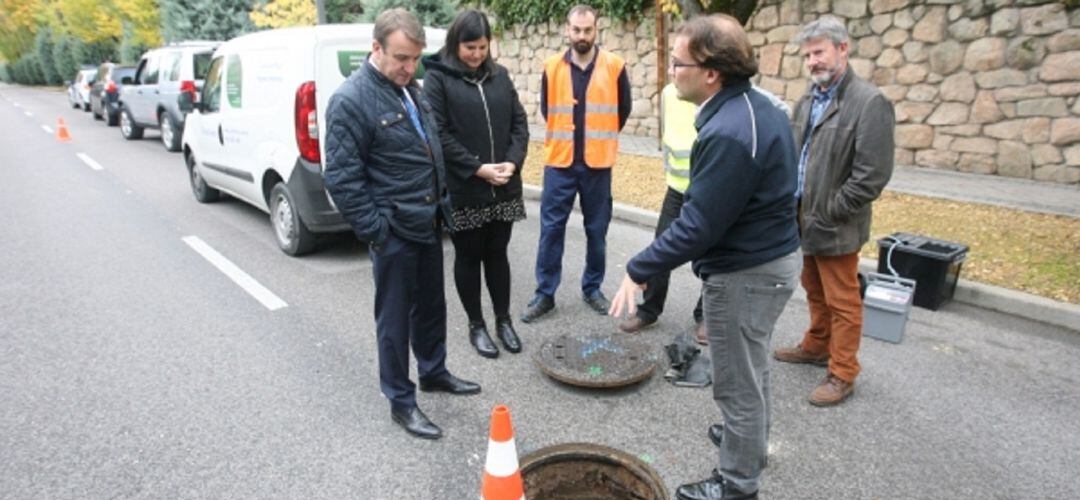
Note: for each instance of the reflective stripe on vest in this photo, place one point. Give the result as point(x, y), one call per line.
point(601, 112)
point(679, 135)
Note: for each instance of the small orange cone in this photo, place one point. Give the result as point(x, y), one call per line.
point(62, 133)
point(502, 478)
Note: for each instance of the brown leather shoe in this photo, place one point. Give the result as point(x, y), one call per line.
point(832, 391)
point(798, 355)
point(635, 324)
point(700, 336)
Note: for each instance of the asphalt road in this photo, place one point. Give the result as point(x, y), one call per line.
point(130, 367)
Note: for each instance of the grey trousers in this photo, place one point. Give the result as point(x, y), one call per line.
point(741, 309)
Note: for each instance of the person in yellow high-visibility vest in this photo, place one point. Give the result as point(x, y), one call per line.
point(677, 122)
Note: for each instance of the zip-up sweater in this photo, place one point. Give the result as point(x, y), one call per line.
point(739, 211)
point(480, 121)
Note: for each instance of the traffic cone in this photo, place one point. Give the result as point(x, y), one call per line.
point(502, 478)
point(62, 133)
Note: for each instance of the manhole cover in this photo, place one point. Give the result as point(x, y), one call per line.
point(588, 471)
point(596, 361)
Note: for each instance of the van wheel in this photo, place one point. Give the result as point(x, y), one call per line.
point(203, 192)
point(170, 137)
point(128, 128)
point(293, 237)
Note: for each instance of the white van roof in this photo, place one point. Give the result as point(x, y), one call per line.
point(323, 32)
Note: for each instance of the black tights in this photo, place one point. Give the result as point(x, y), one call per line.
point(484, 246)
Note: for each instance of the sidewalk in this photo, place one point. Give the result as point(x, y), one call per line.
point(1019, 194)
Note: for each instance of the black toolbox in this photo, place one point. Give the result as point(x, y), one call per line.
point(933, 264)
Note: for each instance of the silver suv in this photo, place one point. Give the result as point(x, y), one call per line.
point(150, 100)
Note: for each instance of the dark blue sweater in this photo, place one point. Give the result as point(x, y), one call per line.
point(739, 211)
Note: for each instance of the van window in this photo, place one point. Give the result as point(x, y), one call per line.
point(170, 67)
point(211, 95)
point(201, 62)
point(234, 82)
point(148, 70)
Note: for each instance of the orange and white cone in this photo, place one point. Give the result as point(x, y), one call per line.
point(502, 478)
point(62, 133)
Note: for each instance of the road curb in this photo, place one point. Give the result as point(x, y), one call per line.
point(994, 298)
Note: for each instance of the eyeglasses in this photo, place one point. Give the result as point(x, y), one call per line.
point(676, 64)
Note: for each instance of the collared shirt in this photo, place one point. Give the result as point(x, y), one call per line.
point(822, 99)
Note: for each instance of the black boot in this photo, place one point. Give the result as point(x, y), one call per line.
point(504, 329)
point(481, 340)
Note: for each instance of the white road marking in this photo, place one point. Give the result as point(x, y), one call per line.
point(17, 105)
point(90, 161)
point(47, 129)
point(237, 275)
point(27, 113)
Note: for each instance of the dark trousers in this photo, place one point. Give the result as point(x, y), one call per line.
point(410, 309)
point(657, 287)
point(483, 248)
point(561, 185)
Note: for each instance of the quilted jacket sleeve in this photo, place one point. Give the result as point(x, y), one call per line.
point(348, 138)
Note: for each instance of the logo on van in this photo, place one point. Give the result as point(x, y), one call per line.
point(350, 60)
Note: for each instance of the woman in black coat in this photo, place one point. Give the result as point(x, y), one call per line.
point(484, 134)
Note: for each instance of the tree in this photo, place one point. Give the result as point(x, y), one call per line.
point(43, 54)
point(740, 9)
point(18, 24)
point(141, 22)
point(436, 13)
point(64, 56)
point(204, 19)
point(284, 13)
point(343, 11)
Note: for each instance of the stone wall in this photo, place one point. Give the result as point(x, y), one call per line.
point(983, 86)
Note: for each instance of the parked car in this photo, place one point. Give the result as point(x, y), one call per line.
point(257, 131)
point(150, 100)
point(105, 92)
point(79, 88)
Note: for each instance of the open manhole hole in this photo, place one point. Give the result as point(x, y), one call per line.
point(583, 471)
point(597, 360)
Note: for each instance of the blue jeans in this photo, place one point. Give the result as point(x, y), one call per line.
point(557, 201)
point(741, 309)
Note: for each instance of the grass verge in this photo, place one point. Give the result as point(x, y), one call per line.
point(1031, 252)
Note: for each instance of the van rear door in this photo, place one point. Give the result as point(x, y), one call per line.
point(336, 57)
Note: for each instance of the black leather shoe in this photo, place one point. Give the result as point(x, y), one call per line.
point(598, 303)
point(540, 305)
point(716, 434)
point(416, 423)
point(713, 488)
point(504, 329)
point(481, 340)
point(451, 384)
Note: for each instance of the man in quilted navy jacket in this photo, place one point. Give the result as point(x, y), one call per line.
point(385, 172)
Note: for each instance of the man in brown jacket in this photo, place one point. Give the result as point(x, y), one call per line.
point(844, 131)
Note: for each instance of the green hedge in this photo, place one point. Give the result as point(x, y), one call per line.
point(509, 12)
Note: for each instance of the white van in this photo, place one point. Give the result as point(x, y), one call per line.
point(256, 131)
